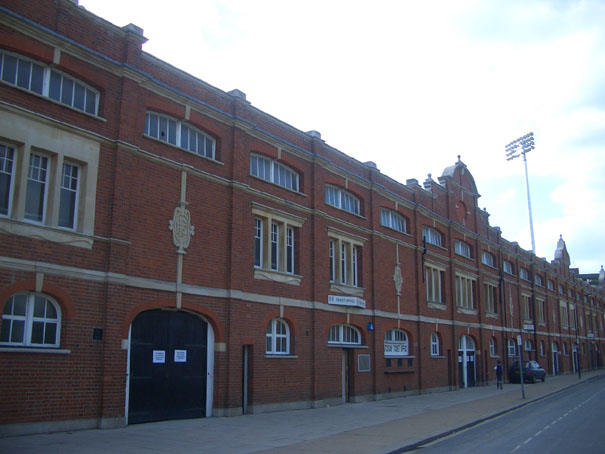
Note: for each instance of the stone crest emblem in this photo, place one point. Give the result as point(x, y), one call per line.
point(181, 227)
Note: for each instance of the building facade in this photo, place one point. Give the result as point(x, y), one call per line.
point(169, 251)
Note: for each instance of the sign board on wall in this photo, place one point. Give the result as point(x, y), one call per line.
point(346, 301)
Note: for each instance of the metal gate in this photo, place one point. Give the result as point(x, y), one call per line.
point(168, 356)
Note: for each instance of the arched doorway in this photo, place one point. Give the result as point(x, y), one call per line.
point(466, 362)
point(168, 365)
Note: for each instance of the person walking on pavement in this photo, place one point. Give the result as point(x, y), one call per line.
point(498, 370)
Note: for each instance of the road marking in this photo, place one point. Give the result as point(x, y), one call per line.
point(528, 440)
point(538, 433)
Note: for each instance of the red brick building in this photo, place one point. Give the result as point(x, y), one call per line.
point(169, 251)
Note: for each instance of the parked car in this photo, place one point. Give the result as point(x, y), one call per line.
point(532, 371)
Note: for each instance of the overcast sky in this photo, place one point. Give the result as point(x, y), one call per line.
point(411, 85)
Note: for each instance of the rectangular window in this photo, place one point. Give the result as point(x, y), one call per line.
point(508, 267)
point(541, 311)
point(465, 292)
point(539, 281)
point(36, 188)
point(563, 315)
point(345, 268)
point(433, 280)
point(258, 242)
point(392, 220)
point(275, 243)
point(490, 298)
point(7, 158)
point(68, 201)
point(524, 274)
point(290, 251)
point(527, 313)
point(274, 246)
point(572, 317)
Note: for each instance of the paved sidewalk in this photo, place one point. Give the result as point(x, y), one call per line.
point(386, 426)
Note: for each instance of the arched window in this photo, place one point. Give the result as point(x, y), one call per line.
point(31, 319)
point(278, 337)
point(344, 334)
point(396, 343)
point(492, 347)
point(435, 346)
point(542, 349)
point(528, 346)
point(512, 349)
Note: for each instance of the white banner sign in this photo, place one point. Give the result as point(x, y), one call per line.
point(159, 356)
point(346, 301)
point(180, 356)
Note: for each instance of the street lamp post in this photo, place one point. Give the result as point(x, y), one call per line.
point(516, 148)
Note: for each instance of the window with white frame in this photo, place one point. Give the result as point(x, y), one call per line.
point(275, 247)
point(551, 285)
point(273, 171)
point(528, 346)
point(393, 220)
point(278, 337)
point(491, 298)
point(396, 343)
point(492, 347)
point(435, 345)
point(345, 258)
point(433, 278)
point(524, 274)
point(343, 199)
point(47, 180)
point(570, 293)
point(487, 258)
point(512, 347)
point(48, 82)
point(31, 319)
point(561, 289)
point(527, 313)
point(542, 349)
point(465, 292)
point(344, 334)
point(462, 248)
point(432, 236)
point(508, 267)
point(179, 134)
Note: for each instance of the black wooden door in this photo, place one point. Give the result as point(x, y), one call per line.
point(167, 367)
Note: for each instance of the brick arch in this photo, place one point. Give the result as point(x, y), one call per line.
point(61, 296)
point(169, 303)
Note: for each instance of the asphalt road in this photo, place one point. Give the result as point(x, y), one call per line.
point(567, 422)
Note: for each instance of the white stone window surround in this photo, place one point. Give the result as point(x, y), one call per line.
point(29, 134)
point(466, 293)
point(346, 243)
point(434, 276)
point(271, 216)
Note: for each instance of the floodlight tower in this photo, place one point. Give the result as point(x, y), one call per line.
point(516, 148)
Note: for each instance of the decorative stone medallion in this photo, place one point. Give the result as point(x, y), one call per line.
point(181, 227)
point(397, 279)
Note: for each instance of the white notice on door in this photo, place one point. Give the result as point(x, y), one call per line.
point(180, 356)
point(159, 356)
